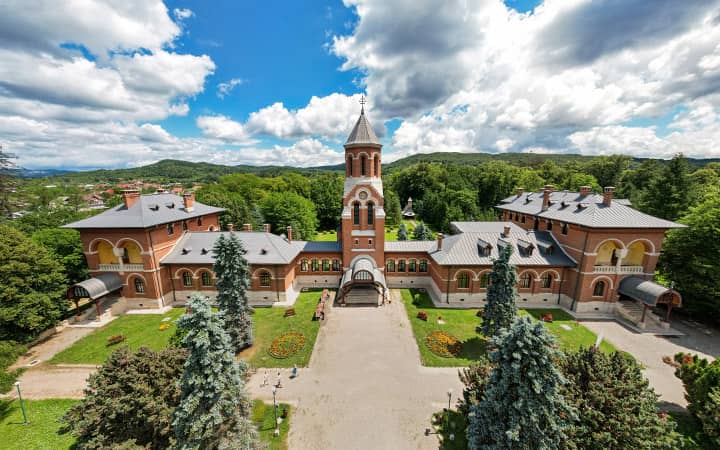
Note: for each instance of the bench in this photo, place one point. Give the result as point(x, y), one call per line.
point(289, 312)
point(320, 310)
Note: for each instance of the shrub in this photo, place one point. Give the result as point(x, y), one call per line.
point(164, 327)
point(701, 379)
point(547, 317)
point(289, 312)
point(422, 315)
point(480, 312)
point(443, 344)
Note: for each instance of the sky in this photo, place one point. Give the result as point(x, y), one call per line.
point(106, 84)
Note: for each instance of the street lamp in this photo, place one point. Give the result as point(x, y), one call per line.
point(22, 403)
point(275, 405)
point(447, 414)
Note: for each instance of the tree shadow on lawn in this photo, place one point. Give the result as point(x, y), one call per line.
point(473, 348)
point(5, 409)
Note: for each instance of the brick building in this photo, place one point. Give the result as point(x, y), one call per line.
point(578, 249)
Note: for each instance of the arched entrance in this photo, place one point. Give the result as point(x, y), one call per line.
point(363, 283)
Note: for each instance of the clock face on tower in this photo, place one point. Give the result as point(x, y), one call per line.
point(363, 195)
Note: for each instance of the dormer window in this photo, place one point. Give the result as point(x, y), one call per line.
point(483, 248)
point(170, 205)
point(186, 250)
point(526, 248)
point(204, 251)
point(154, 207)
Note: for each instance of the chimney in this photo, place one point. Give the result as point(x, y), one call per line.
point(130, 196)
point(247, 227)
point(189, 201)
point(267, 227)
point(230, 227)
point(546, 196)
point(506, 231)
point(440, 239)
point(520, 191)
point(289, 233)
point(585, 190)
point(608, 195)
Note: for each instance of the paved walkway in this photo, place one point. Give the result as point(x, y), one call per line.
point(365, 387)
point(650, 349)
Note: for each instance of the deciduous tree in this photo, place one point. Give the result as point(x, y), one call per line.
point(32, 287)
point(214, 410)
point(67, 249)
point(283, 209)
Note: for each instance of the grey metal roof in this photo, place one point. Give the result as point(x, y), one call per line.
point(643, 290)
point(409, 246)
point(362, 133)
point(367, 265)
point(148, 210)
point(101, 285)
point(462, 249)
point(195, 247)
point(587, 210)
point(318, 246)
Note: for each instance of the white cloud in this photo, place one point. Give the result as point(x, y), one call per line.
point(225, 129)
point(224, 89)
point(182, 13)
point(478, 76)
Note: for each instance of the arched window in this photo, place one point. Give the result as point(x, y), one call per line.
point(423, 265)
point(546, 281)
point(564, 229)
point(523, 218)
point(206, 279)
point(184, 225)
point(484, 280)
point(401, 265)
point(363, 164)
point(371, 213)
point(264, 279)
point(315, 265)
point(326, 265)
point(348, 166)
point(170, 229)
point(336, 265)
point(463, 281)
point(187, 279)
point(536, 225)
point(139, 286)
point(356, 213)
point(599, 289)
point(412, 264)
point(525, 281)
point(377, 165)
point(549, 225)
point(304, 265)
point(199, 221)
point(363, 275)
point(390, 265)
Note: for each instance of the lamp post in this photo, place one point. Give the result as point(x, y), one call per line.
point(447, 414)
point(275, 405)
point(22, 403)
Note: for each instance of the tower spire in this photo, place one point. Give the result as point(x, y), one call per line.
point(362, 104)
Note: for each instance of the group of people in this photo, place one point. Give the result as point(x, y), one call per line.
point(266, 378)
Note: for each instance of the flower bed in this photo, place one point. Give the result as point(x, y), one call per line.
point(112, 340)
point(443, 344)
point(286, 345)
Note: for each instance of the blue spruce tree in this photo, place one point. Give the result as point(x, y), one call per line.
point(214, 410)
point(522, 407)
point(402, 234)
point(232, 273)
point(501, 309)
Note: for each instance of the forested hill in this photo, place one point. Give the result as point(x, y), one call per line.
point(170, 170)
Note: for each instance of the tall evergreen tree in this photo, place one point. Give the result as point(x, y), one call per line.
point(600, 386)
point(422, 232)
point(668, 194)
point(214, 410)
point(522, 407)
point(500, 310)
point(402, 234)
point(232, 274)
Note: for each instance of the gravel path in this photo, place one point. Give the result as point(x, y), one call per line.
point(365, 387)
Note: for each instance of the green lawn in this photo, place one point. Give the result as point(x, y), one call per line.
point(270, 323)
point(139, 329)
point(462, 323)
point(41, 433)
point(264, 417)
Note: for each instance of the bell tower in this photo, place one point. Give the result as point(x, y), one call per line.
point(363, 216)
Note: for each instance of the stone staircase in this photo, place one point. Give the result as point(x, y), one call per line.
point(362, 297)
point(631, 311)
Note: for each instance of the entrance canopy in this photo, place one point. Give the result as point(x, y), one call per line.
point(648, 292)
point(96, 287)
point(363, 272)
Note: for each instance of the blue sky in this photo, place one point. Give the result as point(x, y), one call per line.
point(105, 84)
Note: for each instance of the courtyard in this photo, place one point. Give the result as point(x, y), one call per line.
point(367, 378)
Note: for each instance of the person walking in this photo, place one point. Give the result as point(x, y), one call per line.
point(265, 380)
point(294, 372)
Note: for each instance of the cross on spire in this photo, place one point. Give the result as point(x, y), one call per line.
point(362, 104)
